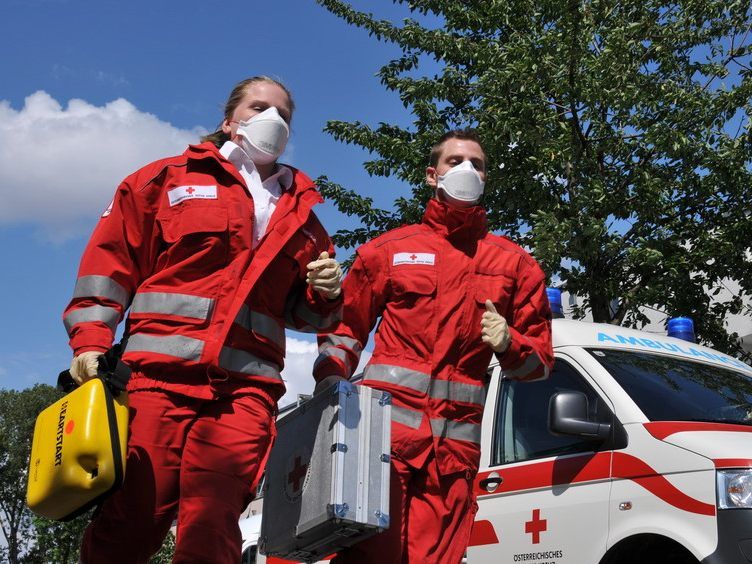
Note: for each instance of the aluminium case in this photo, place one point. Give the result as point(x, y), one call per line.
point(327, 479)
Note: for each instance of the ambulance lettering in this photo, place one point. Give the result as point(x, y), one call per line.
point(59, 436)
point(670, 347)
point(543, 557)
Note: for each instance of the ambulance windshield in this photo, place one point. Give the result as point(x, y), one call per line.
point(667, 388)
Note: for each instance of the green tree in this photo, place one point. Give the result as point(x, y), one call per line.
point(18, 412)
point(166, 552)
point(58, 541)
point(618, 133)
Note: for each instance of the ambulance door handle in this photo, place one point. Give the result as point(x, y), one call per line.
point(492, 482)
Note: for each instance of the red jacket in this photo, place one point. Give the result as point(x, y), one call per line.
point(205, 307)
point(429, 283)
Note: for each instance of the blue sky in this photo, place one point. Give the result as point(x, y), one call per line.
point(93, 90)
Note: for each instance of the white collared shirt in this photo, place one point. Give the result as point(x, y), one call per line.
point(265, 194)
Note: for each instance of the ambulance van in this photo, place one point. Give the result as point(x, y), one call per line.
point(636, 450)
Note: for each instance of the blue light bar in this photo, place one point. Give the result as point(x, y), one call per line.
point(682, 328)
point(554, 298)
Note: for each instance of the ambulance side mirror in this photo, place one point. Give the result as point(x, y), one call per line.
point(568, 415)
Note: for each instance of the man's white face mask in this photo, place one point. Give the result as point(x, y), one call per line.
point(462, 183)
point(264, 136)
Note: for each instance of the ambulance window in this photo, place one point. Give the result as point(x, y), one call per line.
point(521, 427)
point(667, 388)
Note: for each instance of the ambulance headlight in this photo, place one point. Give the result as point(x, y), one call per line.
point(734, 489)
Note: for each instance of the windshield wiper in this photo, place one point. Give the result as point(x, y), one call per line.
point(731, 421)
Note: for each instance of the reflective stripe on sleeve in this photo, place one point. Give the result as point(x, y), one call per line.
point(455, 430)
point(531, 364)
point(102, 287)
point(262, 324)
point(399, 376)
point(458, 391)
point(408, 417)
point(107, 315)
point(170, 345)
point(347, 342)
point(246, 363)
point(314, 321)
point(326, 350)
point(183, 305)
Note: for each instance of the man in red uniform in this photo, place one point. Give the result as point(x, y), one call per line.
point(214, 252)
point(449, 295)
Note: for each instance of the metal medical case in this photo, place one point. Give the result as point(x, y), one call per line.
point(327, 479)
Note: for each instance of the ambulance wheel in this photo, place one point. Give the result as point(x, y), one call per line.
point(648, 549)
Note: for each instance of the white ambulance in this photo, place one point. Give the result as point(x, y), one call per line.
point(636, 449)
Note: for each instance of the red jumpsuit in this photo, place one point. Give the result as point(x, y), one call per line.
point(429, 283)
point(206, 342)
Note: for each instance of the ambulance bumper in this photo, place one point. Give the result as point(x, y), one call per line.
point(734, 538)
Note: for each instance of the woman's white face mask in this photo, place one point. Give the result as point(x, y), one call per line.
point(264, 136)
point(462, 183)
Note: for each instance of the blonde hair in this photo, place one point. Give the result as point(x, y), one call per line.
point(219, 137)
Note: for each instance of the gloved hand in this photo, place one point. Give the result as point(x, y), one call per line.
point(84, 366)
point(325, 276)
point(326, 383)
point(494, 330)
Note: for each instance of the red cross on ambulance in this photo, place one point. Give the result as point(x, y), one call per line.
point(536, 526)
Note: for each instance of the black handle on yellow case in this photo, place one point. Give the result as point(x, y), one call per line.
point(65, 382)
point(111, 369)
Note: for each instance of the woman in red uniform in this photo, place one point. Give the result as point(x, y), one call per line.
point(214, 253)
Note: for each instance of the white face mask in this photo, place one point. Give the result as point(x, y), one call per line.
point(462, 183)
point(264, 136)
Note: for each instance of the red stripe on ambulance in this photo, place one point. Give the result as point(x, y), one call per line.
point(586, 468)
point(592, 468)
point(732, 462)
point(631, 468)
point(662, 429)
point(483, 533)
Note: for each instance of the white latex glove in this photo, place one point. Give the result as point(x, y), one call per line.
point(325, 276)
point(84, 366)
point(494, 330)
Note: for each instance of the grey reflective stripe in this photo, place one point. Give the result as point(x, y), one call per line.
point(102, 287)
point(183, 305)
point(398, 376)
point(532, 363)
point(170, 345)
point(107, 315)
point(408, 417)
point(314, 321)
point(338, 340)
point(458, 391)
point(456, 430)
point(326, 350)
point(262, 324)
point(242, 361)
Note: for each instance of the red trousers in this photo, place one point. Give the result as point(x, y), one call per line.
point(199, 459)
point(431, 518)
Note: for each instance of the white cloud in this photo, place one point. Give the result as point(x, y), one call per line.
point(299, 361)
point(59, 167)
